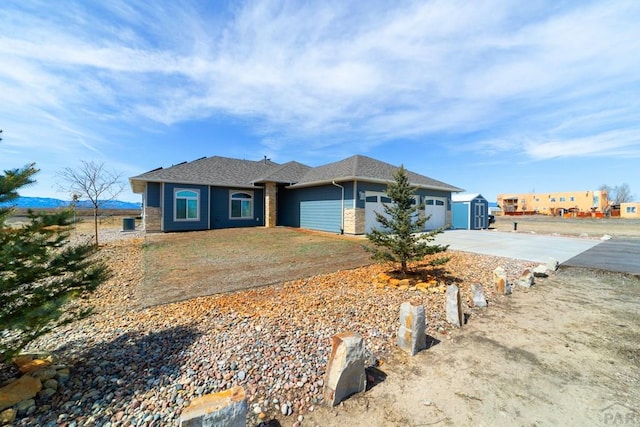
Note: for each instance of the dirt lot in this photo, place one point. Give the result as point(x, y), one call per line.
point(564, 353)
point(592, 227)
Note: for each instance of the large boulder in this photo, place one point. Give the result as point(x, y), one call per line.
point(454, 306)
point(23, 388)
point(412, 335)
point(345, 371)
point(226, 408)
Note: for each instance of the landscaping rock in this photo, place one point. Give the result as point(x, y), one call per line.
point(552, 264)
point(227, 408)
point(24, 406)
point(27, 364)
point(8, 416)
point(479, 299)
point(526, 279)
point(454, 306)
point(540, 271)
point(23, 388)
point(412, 332)
point(345, 371)
point(44, 373)
point(500, 281)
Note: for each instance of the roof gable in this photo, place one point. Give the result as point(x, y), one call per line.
point(365, 168)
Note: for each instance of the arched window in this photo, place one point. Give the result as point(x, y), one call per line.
point(241, 206)
point(187, 205)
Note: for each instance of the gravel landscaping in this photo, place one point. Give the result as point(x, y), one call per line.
point(141, 366)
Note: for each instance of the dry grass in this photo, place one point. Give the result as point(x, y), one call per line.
point(185, 265)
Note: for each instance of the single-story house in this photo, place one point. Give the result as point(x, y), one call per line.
point(220, 192)
point(470, 212)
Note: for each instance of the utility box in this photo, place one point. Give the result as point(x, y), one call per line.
point(128, 224)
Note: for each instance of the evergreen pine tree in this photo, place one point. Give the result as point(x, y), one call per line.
point(401, 237)
point(40, 272)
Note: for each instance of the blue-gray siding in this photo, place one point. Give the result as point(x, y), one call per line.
point(168, 222)
point(460, 215)
point(316, 208)
point(153, 194)
point(220, 215)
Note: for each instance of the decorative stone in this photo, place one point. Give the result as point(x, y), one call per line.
point(226, 408)
point(46, 393)
point(552, 264)
point(526, 279)
point(540, 271)
point(23, 388)
point(24, 405)
point(412, 332)
point(26, 363)
point(8, 416)
point(45, 373)
point(63, 375)
point(345, 372)
point(478, 295)
point(50, 383)
point(454, 306)
point(500, 281)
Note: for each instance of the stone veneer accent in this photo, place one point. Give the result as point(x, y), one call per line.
point(270, 204)
point(354, 221)
point(152, 219)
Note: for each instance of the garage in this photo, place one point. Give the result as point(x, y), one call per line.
point(435, 208)
point(470, 212)
point(374, 202)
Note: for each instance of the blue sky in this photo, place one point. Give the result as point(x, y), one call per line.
point(491, 96)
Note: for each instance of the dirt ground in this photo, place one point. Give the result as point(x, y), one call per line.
point(179, 266)
point(564, 353)
point(592, 227)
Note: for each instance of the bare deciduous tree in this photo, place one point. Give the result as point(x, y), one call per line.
point(93, 182)
point(618, 194)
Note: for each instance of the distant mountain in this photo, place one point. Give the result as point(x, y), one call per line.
point(48, 203)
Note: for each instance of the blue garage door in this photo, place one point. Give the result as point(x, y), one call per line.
point(322, 215)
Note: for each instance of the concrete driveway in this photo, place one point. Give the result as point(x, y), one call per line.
point(525, 246)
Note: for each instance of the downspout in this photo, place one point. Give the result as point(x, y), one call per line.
point(342, 213)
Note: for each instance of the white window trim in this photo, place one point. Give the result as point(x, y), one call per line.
point(241, 218)
point(175, 205)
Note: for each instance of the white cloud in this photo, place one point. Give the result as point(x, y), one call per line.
point(329, 72)
point(623, 144)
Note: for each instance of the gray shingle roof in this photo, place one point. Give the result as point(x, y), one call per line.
point(365, 168)
point(214, 170)
point(287, 173)
point(224, 171)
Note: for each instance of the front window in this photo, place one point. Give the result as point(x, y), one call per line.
point(631, 209)
point(187, 205)
point(241, 205)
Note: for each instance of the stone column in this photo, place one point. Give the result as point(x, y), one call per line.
point(345, 371)
point(454, 306)
point(270, 196)
point(412, 332)
point(226, 408)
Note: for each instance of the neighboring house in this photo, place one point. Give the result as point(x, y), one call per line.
point(219, 192)
point(553, 203)
point(630, 210)
point(470, 212)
